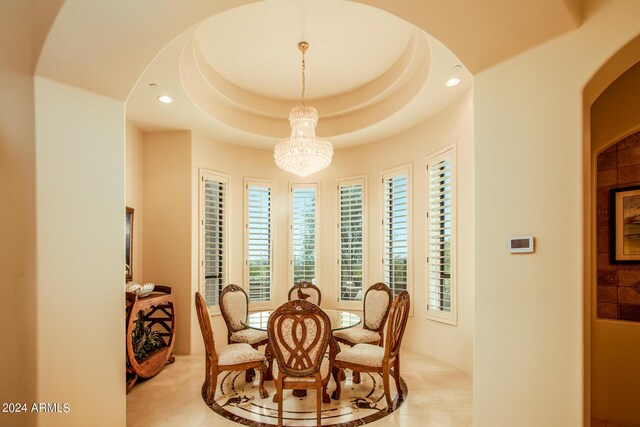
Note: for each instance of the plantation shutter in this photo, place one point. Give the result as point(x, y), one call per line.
point(396, 213)
point(440, 228)
point(351, 205)
point(258, 230)
point(303, 230)
point(214, 238)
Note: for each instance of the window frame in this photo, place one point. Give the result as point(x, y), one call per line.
point(256, 182)
point(204, 175)
point(292, 186)
point(405, 169)
point(451, 317)
point(343, 182)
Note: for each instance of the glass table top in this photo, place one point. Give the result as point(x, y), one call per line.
point(339, 319)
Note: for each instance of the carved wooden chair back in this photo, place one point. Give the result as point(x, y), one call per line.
point(306, 291)
point(205, 328)
point(377, 303)
point(234, 306)
point(397, 323)
point(299, 333)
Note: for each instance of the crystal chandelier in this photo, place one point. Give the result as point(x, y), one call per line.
point(303, 153)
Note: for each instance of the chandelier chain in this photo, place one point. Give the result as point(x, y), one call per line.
point(303, 79)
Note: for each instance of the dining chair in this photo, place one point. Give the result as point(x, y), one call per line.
point(234, 306)
point(376, 306)
point(373, 358)
point(234, 357)
point(299, 333)
point(306, 291)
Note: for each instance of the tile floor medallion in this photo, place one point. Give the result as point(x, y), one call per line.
point(360, 404)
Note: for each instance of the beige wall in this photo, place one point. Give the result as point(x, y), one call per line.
point(167, 222)
point(528, 134)
point(615, 371)
point(18, 357)
point(133, 195)
point(80, 203)
point(452, 344)
point(165, 155)
point(237, 162)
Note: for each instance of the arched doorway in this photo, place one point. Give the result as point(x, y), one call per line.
point(612, 331)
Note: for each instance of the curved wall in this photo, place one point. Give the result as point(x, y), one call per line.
point(162, 151)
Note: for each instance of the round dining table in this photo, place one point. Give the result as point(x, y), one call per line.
point(339, 320)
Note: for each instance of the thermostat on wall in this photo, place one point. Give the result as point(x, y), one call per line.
point(520, 244)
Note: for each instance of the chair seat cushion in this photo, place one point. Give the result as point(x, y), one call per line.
point(357, 335)
point(235, 354)
point(362, 354)
point(249, 336)
point(324, 372)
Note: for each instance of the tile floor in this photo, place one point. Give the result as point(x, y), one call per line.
point(439, 396)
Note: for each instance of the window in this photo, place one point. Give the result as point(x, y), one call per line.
point(304, 228)
point(441, 236)
point(213, 235)
point(351, 226)
point(396, 220)
point(258, 239)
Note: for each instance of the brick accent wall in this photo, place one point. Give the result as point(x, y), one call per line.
point(618, 284)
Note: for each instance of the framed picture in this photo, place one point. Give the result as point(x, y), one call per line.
point(128, 245)
point(625, 218)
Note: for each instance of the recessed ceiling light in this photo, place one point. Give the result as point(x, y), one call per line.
point(452, 81)
point(165, 99)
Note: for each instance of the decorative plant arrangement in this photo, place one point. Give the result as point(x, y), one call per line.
point(144, 340)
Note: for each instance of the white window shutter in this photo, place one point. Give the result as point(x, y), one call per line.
point(214, 237)
point(441, 236)
point(259, 240)
point(351, 239)
point(396, 200)
point(303, 232)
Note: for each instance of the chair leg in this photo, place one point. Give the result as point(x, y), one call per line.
point(268, 353)
point(249, 375)
point(396, 373)
point(325, 396)
point(279, 396)
point(385, 382)
point(319, 406)
point(263, 371)
point(356, 377)
point(336, 376)
point(276, 396)
point(213, 385)
point(207, 379)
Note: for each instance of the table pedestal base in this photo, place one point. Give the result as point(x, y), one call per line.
point(300, 393)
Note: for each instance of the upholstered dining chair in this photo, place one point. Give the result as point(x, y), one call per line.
point(376, 306)
point(306, 291)
point(234, 357)
point(299, 333)
point(373, 358)
point(234, 306)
